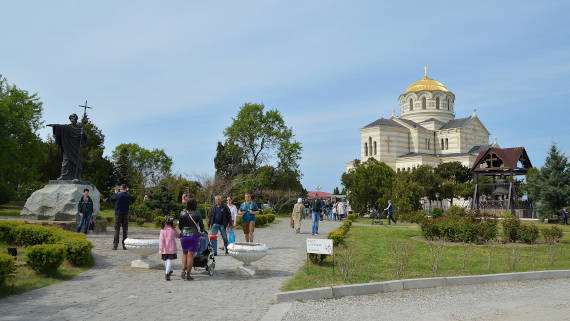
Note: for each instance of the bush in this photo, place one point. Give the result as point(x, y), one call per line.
point(317, 258)
point(506, 215)
point(110, 219)
point(455, 211)
point(455, 229)
point(430, 229)
point(352, 216)
point(239, 220)
point(6, 231)
point(436, 212)
point(6, 267)
point(140, 221)
point(45, 258)
point(528, 233)
point(77, 251)
point(511, 228)
point(412, 217)
point(27, 235)
point(142, 211)
point(552, 235)
point(488, 229)
point(158, 221)
point(337, 236)
point(260, 220)
point(270, 217)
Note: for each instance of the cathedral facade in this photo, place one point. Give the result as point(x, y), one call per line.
point(425, 133)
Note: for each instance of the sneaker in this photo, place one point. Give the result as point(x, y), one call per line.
point(189, 278)
point(124, 247)
point(114, 248)
point(167, 277)
point(170, 273)
point(227, 252)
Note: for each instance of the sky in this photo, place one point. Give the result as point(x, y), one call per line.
point(172, 74)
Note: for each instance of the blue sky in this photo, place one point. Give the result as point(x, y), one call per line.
point(171, 74)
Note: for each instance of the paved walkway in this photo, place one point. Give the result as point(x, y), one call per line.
point(114, 290)
point(520, 301)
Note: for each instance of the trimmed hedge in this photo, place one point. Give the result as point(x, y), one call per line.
point(271, 217)
point(337, 235)
point(528, 233)
point(511, 227)
point(552, 235)
point(6, 266)
point(77, 247)
point(45, 258)
point(455, 229)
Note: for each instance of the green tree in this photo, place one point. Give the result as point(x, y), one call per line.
point(21, 149)
point(229, 160)
point(149, 167)
point(427, 178)
point(96, 168)
point(261, 134)
point(453, 176)
point(368, 184)
point(551, 184)
point(122, 168)
point(407, 193)
point(336, 191)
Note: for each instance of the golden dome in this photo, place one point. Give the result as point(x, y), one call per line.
point(426, 84)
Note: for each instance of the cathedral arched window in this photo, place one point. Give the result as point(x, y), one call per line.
point(424, 103)
point(365, 149)
point(437, 103)
point(442, 145)
point(446, 143)
point(411, 104)
point(448, 103)
point(374, 148)
point(370, 145)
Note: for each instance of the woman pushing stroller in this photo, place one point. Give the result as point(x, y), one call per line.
point(191, 227)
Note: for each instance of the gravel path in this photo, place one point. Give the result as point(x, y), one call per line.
point(112, 290)
point(528, 300)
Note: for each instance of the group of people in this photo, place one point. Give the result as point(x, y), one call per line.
point(318, 209)
point(222, 220)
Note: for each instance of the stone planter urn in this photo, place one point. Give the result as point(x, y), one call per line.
point(143, 248)
point(247, 253)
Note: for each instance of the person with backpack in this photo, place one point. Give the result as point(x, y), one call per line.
point(316, 208)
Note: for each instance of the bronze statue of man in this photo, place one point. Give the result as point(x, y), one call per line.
point(70, 138)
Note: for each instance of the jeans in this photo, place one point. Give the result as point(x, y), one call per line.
point(306, 212)
point(329, 214)
point(222, 230)
point(83, 221)
point(390, 217)
point(315, 218)
point(120, 221)
point(565, 220)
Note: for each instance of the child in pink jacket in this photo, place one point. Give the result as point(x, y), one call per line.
point(167, 245)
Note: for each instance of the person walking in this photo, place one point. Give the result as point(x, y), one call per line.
point(341, 210)
point(191, 227)
point(390, 210)
point(122, 201)
point(234, 212)
point(220, 218)
point(85, 209)
point(167, 245)
point(307, 207)
point(564, 216)
point(297, 216)
point(316, 208)
point(335, 211)
point(248, 209)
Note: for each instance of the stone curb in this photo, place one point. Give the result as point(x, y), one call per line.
point(339, 291)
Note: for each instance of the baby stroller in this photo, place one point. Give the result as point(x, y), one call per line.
point(204, 257)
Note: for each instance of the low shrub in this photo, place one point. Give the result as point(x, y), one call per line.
point(455, 229)
point(506, 215)
point(552, 235)
point(436, 212)
point(45, 258)
point(140, 221)
point(6, 228)
point(511, 228)
point(6, 267)
point(455, 211)
point(28, 234)
point(352, 216)
point(77, 251)
point(158, 221)
point(412, 217)
point(528, 233)
point(489, 228)
point(337, 236)
point(317, 258)
point(270, 218)
point(430, 229)
point(142, 211)
point(260, 220)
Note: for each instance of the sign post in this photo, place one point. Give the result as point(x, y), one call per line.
point(320, 246)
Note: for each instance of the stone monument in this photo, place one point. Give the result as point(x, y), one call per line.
point(57, 201)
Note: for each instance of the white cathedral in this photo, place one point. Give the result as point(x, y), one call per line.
point(426, 133)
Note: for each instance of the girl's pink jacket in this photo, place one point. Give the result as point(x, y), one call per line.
point(167, 244)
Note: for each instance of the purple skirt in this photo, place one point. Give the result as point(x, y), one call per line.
point(190, 243)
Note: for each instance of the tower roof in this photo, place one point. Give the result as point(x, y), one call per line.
point(426, 84)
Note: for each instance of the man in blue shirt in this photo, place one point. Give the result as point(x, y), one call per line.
point(390, 210)
point(564, 216)
point(220, 218)
point(122, 201)
point(248, 209)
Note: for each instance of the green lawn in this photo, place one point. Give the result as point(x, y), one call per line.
point(11, 209)
point(27, 279)
point(372, 259)
point(367, 220)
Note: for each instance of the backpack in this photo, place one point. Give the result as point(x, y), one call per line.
point(316, 206)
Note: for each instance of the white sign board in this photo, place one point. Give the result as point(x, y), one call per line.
point(320, 246)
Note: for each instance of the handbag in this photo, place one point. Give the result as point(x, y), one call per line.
point(92, 224)
point(232, 237)
point(292, 223)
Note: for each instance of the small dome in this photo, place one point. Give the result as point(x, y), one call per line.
point(426, 84)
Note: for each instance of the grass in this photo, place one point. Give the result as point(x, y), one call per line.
point(11, 208)
point(367, 220)
point(372, 259)
point(27, 279)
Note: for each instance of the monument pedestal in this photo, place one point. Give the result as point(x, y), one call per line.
point(57, 201)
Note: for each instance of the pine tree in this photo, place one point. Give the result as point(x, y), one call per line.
point(551, 184)
point(122, 168)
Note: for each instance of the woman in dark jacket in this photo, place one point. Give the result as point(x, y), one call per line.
point(191, 227)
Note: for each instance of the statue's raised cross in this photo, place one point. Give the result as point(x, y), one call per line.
point(388, 141)
point(85, 109)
